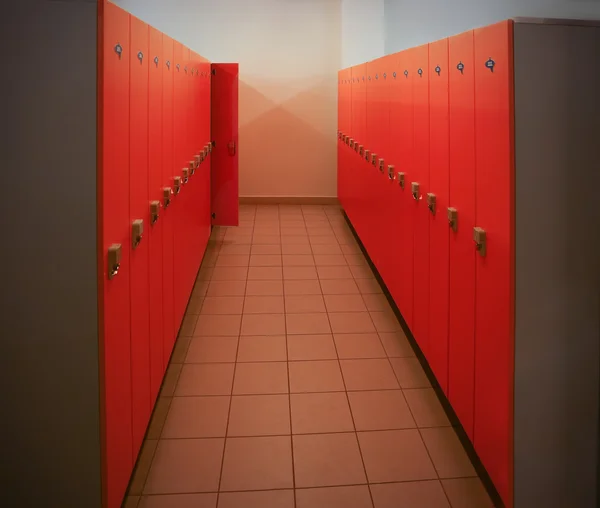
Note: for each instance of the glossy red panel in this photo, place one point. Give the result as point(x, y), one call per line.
point(439, 232)
point(168, 213)
point(155, 230)
point(461, 332)
point(225, 155)
point(494, 311)
point(114, 179)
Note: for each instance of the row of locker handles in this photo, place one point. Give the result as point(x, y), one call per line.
point(479, 234)
point(119, 51)
point(137, 226)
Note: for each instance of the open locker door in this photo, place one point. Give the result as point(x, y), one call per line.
point(224, 157)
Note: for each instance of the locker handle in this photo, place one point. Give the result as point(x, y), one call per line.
point(453, 218)
point(177, 184)
point(400, 177)
point(431, 201)
point(231, 148)
point(137, 231)
point(154, 212)
point(114, 260)
point(374, 159)
point(415, 190)
point(167, 196)
point(480, 239)
point(193, 166)
point(367, 155)
point(390, 171)
point(381, 165)
point(356, 146)
point(186, 175)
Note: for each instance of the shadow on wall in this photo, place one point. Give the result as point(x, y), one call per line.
point(279, 140)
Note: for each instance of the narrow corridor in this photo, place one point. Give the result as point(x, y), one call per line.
point(292, 384)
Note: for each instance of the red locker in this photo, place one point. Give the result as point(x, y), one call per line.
point(115, 230)
point(461, 324)
point(168, 218)
point(224, 158)
point(341, 176)
point(439, 232)
point(494, 308)
point(155, 225)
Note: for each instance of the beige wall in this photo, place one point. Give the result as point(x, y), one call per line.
point(289, 53)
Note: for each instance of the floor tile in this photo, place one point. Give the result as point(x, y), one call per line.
point(301, 249)
point(409, 372)
point(380, 410)
point(323, 240)
point(205, 273)
point(263, 324)
point(311, 347)
point(171, 379)
point(265, 273)
point(298, 260)
point(321, 230)
point(339, 287)
point(195, 305)
point(395, 456)
point(426, 408)
point(302, 304)
point(314, 413)
point(266, 250)
point(159, 416)
point(185, 465)
point(294, 240)
point(259, 415)
point(227, 288)
point(196, 417)
point(334, 272)
point(362, 272)
point(230, 273)
point(359, 345)
point(266, 239)
point(385, 322)
point(330, 260)
point(368, 286)
point(467, 493)
point(264, 288)
point(188, 325)
point(267, 230)
point(180, 349)
point(299, 273)
point(179, 501)
point(315, 376)
point(368, 375)
point(351, 322)
point(322, 460)
point(263, 305)
point(356, 260)
point(377, 303)
point(307, 324)
point(200, 289)
point(259, 499)
point(257, 463)
point(142, 468)
point(228, 250)
point(232, 260)
point(212, 350)
point(356, 496)
point(260, 378)
point(268, 260)
point(219, 326)
point(293, 231)
point(329, 249)
point(396, 344)
point(345, 303)
point(422, 494)
point(205, 379)
point(302, 287)
point(447, 453)
point(265, 348)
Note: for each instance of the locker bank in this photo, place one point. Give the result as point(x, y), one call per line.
point(211, 298)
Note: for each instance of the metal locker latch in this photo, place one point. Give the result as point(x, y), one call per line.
point(185, 173)
point(210, 147)
point(367, 155)
point(356, 146)
point(400, 177)
point(177, 184)
point(361, 150)
point(114, 260)
point(391, 171)
point(348, 140)
point(351, 142)
point(479, 237)
point(431, 200)
point(381, 165)
point(197, 160)
point(374, 159)
point(193, 166)
point(167, 192)
point(414, 186)
point(453, 218)
point(137, 231)
point(154, 211)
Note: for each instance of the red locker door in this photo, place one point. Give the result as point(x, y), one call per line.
point(420, 76)
point(168, 219)
point(407, 165)
point(206, 139)
point(340, 123)
point(461, 323)
point(494, 308)
point(114, 201)
point(155, 226)
point(138, 211)
point(224, 158)
point(439, 232)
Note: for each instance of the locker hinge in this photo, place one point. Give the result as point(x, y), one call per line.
point(214, 72)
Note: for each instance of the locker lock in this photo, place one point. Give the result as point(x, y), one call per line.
point(351, 142)
point(356, 146)
point(367, 155)
point(137, 230)
point(381, 165)
point(400, 177)
point(154, 211)
point(361, 150)
point(431, 200)
point(177, 184)
point(114, 260)
point(391, 171)
point(414, 186)
point(197, 160)
point(185, 172)
point(167, 196)
point(453, 218)
point(479, 237)
point(193, 166)
point(210, 147)
point(374, 159)
point(348, 140)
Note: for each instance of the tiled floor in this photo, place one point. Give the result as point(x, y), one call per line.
point(292, 384)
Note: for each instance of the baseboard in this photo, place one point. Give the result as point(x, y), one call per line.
point(289, 200)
